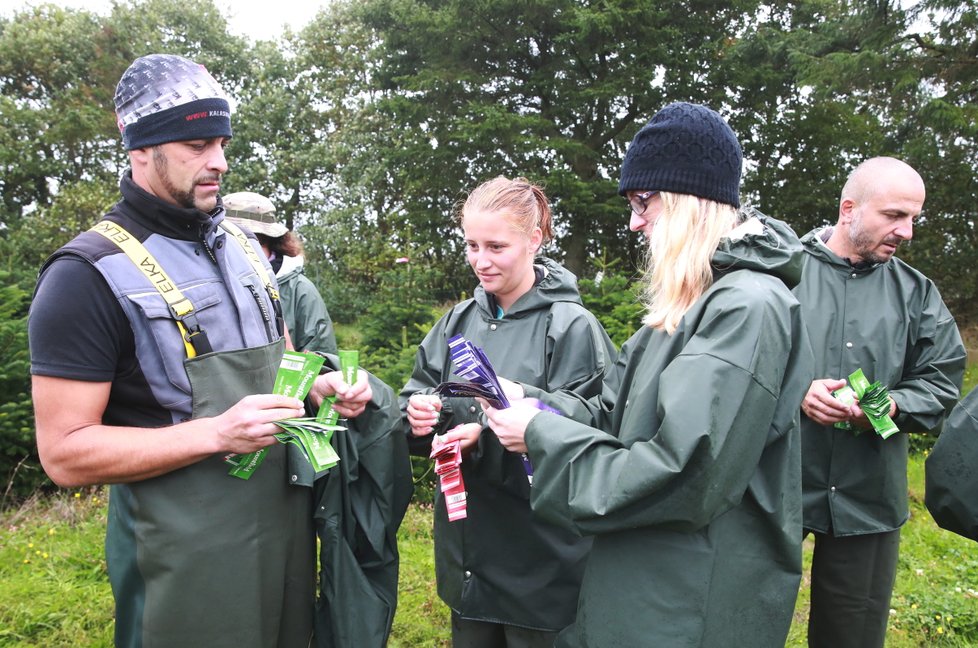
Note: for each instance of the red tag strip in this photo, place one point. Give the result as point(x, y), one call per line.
point(448, 458)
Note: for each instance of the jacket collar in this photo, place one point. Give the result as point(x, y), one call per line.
point(815, 243)
point(290, 265)
point(164, 218)
point(554, 284)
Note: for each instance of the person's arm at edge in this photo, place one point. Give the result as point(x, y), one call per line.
point(931, 383)
point(77, 449)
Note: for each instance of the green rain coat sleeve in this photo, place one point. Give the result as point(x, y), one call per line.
point(359, 504)
point(306, 317)
point(595, 411)
point(952, 471)
point(933, 369)
point(716, 401)
point(430, 364)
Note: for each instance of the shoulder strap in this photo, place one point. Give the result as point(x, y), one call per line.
point(249, 251)
point(194, 338)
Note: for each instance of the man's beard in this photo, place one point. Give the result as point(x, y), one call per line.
point(864, 245)
point(184, 198)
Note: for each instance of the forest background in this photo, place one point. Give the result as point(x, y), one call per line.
point(370, 123)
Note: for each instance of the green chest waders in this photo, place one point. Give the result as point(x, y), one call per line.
point(199, 558)
point(213, 560)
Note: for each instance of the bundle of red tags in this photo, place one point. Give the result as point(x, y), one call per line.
point(448, 462)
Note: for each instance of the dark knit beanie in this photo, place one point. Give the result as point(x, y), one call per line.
point(165, 98)
point(685, 149)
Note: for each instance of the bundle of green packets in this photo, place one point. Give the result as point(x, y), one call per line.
point(874, 400)
point(312, 436)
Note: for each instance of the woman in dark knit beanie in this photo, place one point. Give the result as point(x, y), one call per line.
point(686, 471)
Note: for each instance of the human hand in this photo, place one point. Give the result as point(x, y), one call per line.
point(859, 418)
point(249, 424)
point(822, 407)
point(514, 391)
point(423, 411)
point(351, 400)
point(510, 424)
point(467, 434)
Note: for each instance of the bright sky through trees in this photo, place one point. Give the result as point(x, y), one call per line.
point(259, 20)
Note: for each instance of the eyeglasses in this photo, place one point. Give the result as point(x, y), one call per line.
point(640, 202)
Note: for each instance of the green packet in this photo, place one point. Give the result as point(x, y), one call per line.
point(349, 364)
point(296, 374)
point(874, 400)
point(313, 439)
point(847, 396)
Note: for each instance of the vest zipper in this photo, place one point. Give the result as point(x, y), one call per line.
point(261, 306)
point(203, 241)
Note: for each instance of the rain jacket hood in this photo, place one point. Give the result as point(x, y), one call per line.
point(773, 248)
point(557, 285)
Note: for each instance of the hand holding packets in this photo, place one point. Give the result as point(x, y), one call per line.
point(874, 401)
point(313, 435)
point(297, 375)
point(473, 365)
point(348, 391)
point(423, 412)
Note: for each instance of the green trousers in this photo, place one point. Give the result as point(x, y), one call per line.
point(852, 580)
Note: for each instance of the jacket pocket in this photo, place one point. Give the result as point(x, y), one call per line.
point(160, 344)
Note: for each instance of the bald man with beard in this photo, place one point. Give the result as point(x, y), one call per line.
point(865, 308)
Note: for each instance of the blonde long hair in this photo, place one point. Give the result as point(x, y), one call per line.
point(678, 264)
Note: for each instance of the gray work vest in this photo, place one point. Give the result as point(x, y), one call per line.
point(196, 556)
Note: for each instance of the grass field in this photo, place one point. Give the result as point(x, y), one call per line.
point(54, 591)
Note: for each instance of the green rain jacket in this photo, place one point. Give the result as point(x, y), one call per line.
point(889, 320)
point(692, 491)
point(303, 308)
point(501, 563)
point(359, 504)
point(952, 471)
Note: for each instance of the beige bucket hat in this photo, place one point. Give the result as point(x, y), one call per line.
point(253, 211)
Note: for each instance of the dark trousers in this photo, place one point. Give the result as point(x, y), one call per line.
point(483, 634)
point(852, 580)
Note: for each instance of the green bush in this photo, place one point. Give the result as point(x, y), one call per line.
point(613, 298)
point(19, 466)
point(402, 302)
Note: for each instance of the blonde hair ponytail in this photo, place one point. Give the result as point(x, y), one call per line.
point(519, 201)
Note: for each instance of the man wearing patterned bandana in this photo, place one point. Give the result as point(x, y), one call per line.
point(155, 338)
